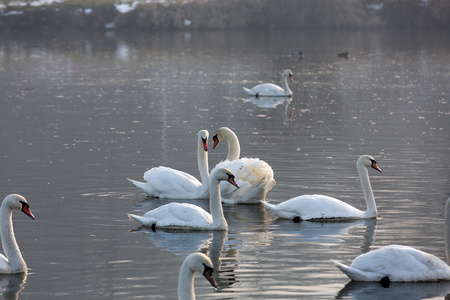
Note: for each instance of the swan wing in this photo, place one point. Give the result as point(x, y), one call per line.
point(170, 183)
point(254, 177)
point(177, 215)
point(4, 265)
point(402, 264)
point(309, 207)
point(268, 89)
point(357, 274)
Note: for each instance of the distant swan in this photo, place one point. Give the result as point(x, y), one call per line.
point(195, 262)
point(254, 176)
point(13, 262)
point(163, 182)
point(188, 216)
point(321, 207)
point(270, 89)
point(344, 55)
point(395, 263)
point(297, 55)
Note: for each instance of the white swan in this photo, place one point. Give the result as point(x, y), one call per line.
point(395, 263)
point(195, 262)
point(164, 182)
point(188, 216)
point(320, 207)
point(13, 262)
point(270, 89)
point(254, 176)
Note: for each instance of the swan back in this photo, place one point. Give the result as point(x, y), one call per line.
point(195, 262)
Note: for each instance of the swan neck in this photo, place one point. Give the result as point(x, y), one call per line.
point(371, 211)
point(234, 148)
point(186, 283)
point(10, 247)
point(215, 205)
point(447, 230)
point(203, 166)
point(284, 85)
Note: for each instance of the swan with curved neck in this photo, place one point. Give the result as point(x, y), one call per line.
point(12, 261)
point(195, 262)
point(273, 90)
point(164, 182)
point(396, 263)
point(188, 216)
point(321, 207)
point(254, 176)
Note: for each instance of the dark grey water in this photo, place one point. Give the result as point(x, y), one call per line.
point(80, 113)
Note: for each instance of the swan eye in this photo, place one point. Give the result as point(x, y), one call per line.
point(216, 141)
point(207, 268)
point(205, 144)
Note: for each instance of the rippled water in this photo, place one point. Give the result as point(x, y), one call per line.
point(82, 112)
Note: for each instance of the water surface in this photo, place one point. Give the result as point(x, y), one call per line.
point(82, 112)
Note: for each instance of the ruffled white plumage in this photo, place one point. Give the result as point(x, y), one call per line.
point(254, 176)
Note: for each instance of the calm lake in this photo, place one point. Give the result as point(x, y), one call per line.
point(82, 112)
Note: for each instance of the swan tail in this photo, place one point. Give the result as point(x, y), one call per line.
point(356, 274)
point(249, 91)
point(270, 207)
point(142, 220)
point(280, 213)
point(144, 186)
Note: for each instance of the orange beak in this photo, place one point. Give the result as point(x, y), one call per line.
point(26, 210)
point(374, 165)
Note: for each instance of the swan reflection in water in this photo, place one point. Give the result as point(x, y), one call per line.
point(12, 285)
point(183, 242)
point(326, 231)
point(246, 227)
point(411, 291)
point(273, 102)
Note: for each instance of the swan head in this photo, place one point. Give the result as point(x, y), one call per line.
point(221, 134)
point(288, 73)
point(199, 262)
point(368, 162)
point(223, 174)
point(204, 135)
point(15, 201)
